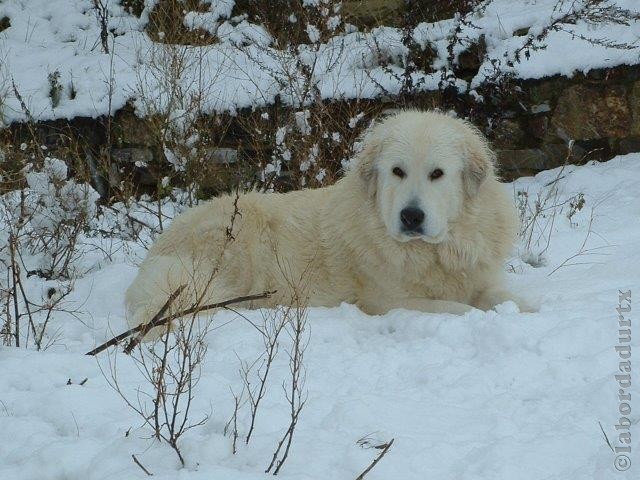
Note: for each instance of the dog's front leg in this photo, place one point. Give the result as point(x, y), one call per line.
point(380, 306)
point(489, 298)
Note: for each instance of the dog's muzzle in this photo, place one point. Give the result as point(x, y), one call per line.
point(412, 219)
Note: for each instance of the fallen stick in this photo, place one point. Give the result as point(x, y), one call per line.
point(143, 326)
point(158, 320)
point(154, 321)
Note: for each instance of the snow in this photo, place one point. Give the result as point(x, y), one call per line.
point(208, 20)
point(244, 69)
point(314, 33)
point(565, 53)
point(495, 395)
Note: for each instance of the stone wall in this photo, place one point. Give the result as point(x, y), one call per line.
point(597, 113)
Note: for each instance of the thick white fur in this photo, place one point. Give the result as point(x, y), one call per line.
point(343, 243)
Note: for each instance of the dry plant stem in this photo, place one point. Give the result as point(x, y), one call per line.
point(233, 421)
point(288, 437)
point(36, 338)
point(15, 274)
point(171, 367)
point(137, 462)
point(175, 380)
point(102, 15)
point(23, 105)
point(235, 426)
point(17, 285)
point(582, 251)
point(140, 328)
point(163, 321)
point(160, 387)
point(295, 395)
point(50, 308)
point(171, 364)
point(19, 307)
point(377, 459)
point(194, 310)
point(271, 347)
point(6, 326)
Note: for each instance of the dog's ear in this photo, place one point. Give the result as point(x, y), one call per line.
point(479, 163)
point(366, 163)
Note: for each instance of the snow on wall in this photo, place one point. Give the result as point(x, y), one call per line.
point(243, 70)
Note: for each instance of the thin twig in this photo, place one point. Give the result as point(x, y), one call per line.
point(149, 474)
point(295, 396)
point(606, 439)
point(377, 459)
point(270, 339)
point(582, 251)
point(15, 275)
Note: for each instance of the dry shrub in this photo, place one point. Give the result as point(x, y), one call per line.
point(292, 22)
point(170, 366)
point(166, 23)
point(306, 147)
point(44, 215)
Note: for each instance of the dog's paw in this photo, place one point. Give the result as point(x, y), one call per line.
point(507, 307)
point(526, 307)
point(504, 302)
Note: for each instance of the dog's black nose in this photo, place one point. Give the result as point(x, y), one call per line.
point(411, 217)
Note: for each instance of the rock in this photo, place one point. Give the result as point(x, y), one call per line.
point(634, 101)
point(129, 129)
point(587, 112)
point(521, 32)
point(534, 159)
point(372, 12)
point(530, 159)
point(132, 155)
point(537, 126)
point(222, 156)
point(546, 90)
point(540, 108)
point(472, 57)
point(507, 134)
point(629, 145)
point(5, 23)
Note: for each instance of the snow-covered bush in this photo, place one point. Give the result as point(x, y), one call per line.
point(311, 146)
point(305, 141)
point(47, 217)
point(40, 228)
point(171, 94)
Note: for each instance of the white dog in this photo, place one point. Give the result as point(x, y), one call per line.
point(420, 222)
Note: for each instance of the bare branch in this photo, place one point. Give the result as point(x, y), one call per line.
point(163, 321)
point(385, 449)
point(137, 462)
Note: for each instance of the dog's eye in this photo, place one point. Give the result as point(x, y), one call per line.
point(437, 173)
point(398, 172)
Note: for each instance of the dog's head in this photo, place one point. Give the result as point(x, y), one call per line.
point(420, 168)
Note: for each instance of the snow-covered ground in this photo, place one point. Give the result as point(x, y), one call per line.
point(495, 395)
point(61, 40)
